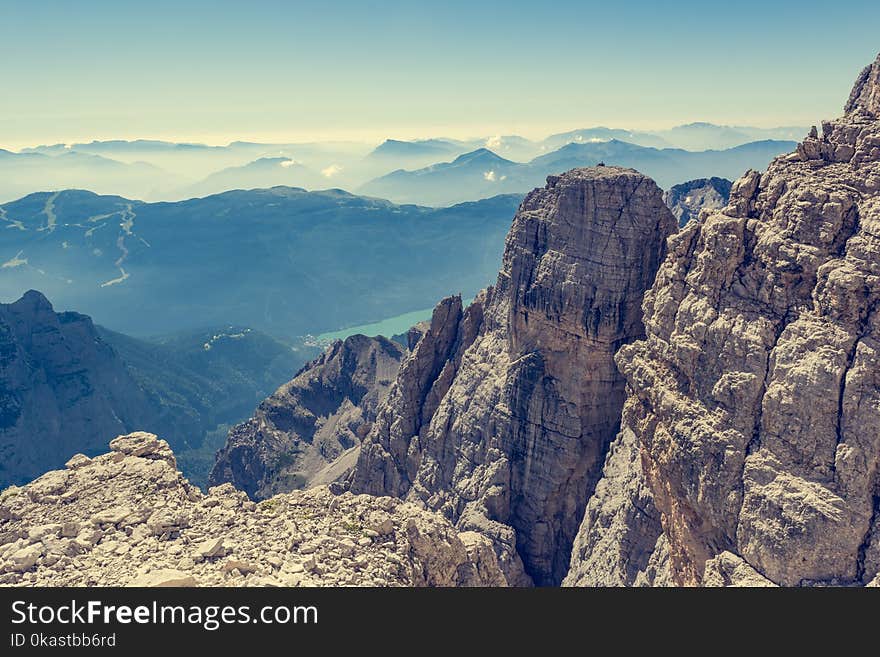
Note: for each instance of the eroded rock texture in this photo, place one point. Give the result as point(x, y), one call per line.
point(617, 544)
point(128, 518)
point(689, 199)
point(309, 431)
point(502, 414)
point(755, 398)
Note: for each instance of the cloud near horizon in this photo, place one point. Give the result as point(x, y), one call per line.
point(491, 176)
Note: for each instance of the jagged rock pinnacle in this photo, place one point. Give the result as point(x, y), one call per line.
point(865, 94)
point(501, 416)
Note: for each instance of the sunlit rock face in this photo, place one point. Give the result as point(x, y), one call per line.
point(755, 398)
point(501, 416)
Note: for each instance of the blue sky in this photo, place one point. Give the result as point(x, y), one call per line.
point(263, 69)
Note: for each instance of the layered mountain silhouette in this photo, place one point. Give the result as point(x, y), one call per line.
point(482, 173)
point(702, 135)
point(407, 154)
point(155, 170)
point(599, 134)
point(197, 161)
point(472, 175)
point(261, 173)
point(282, 260)
point(22, 173)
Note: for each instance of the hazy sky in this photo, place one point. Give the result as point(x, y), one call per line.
point(263, 69)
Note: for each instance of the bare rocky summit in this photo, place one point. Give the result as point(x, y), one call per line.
point(129, 518)
point(689, 199)
point(501, 415)
point(755, 398)
point(309, 431)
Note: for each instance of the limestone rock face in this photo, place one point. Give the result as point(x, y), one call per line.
point(62, 389)
point(689, 199)
point(128, 518)
point(728, 569)
point(164, 577)
point(309, 431)
point(755, 398)
point(865, 96)
point(501, 416)
point(391, 455)
point(621, 527)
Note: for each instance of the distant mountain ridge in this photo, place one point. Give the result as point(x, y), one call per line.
point(482, 173)
point(261, 173)
point(157, 170)
point(394, 148)
point(282, 260)
point(703, 135)
point(601, 133)
point(22, 173)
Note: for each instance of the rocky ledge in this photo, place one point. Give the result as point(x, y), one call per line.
point(130, 518)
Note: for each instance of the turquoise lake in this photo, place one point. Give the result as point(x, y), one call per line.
point(387, 327)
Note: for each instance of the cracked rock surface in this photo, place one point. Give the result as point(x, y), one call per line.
point(309, 432)
point(755, 398)
point(688, 199)
point(501, 416)
point(130, 518)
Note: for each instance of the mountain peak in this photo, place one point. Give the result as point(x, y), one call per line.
point(268, 453)
point(33, 301)
point(865, 95)
point(398, 148)
point(535, 342)
point(481, 155)
point(792, 426)
point(699, 124)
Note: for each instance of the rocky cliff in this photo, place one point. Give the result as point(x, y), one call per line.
point(753, 419)
point(690, 198)
point(129, 518)
point(66, 384)
point(501, 416)
point(62, 389)
point(618, 409)
point(309, 431)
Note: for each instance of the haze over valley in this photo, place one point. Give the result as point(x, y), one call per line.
point(419, 171)
point(462, 294)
